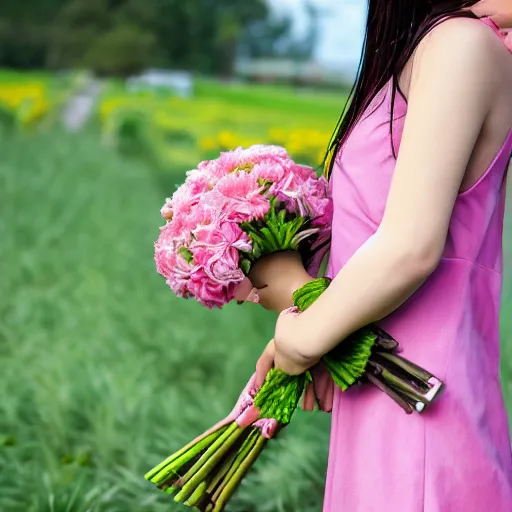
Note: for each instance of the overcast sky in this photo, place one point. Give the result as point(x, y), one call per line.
point(342, 29)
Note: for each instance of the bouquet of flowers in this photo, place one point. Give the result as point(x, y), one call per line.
point(230, 213)
point(234, 210)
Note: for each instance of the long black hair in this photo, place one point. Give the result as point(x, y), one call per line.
point(393, 31)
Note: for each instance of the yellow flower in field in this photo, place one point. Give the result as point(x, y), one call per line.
point(227, 140)
point(294, 148)
point(277, 135)
point(28, 101)
point(107, 108)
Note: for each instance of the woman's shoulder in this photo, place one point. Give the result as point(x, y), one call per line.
point(464, 50)
point(467, 38)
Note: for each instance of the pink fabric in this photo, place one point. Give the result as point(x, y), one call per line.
point(457, 456)
point(495, 27)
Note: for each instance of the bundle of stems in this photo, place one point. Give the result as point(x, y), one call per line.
point(370, 355)
point(205, 473)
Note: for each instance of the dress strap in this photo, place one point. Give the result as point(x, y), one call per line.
point(500, 34)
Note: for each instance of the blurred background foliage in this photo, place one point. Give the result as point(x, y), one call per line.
point(104, 372)
point(120, 37)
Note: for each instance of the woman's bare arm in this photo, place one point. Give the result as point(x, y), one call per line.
point(453, 83)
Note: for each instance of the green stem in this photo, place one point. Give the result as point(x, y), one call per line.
point(200, 471)
point(211, 450)
point(171, 465)
point(240, 456)
point(197, 495)
point(233, 483)
point(223, 471)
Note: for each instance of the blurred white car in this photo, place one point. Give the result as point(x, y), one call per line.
point(178, 81)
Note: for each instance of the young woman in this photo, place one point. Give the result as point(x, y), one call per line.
point(418, 185)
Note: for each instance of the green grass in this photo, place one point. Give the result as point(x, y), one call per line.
point(318, 105)
point(321, 105)
point(104, 372)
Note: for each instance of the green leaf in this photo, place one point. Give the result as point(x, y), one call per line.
point(245, 265)
point(186, 254)
point(270, 242)
point(309, 293)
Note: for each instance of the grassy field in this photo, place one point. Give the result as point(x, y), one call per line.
point(105, 372)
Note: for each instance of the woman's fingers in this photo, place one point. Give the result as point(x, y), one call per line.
point(309, 399)
point(324, 387)
point(328, 395)
point(320, 392)
point(265, 364)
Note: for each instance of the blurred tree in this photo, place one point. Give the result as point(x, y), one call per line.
point(124, 36)
point(274, 37)
point(108, 36)
point(124, 50)
point(267, 38)
point(203, 34)
point(309, 43)
point(24, 31)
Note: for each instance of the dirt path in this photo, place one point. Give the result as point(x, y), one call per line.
point(79, 108)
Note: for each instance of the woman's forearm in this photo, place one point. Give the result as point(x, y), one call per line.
point(380, 276)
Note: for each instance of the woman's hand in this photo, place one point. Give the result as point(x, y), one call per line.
point(319, 393)
point(265, 364)
point(284, 351)
point(294, 343)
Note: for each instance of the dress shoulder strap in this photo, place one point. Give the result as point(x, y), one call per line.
point(499, 33)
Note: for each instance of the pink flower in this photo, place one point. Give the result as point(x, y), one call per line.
point(171, 254)
point(208, 292)
point(198, 182)
point(218, 237)
point(240, 197)
point(246, 159)
point(304, 172)
point(269, 171)
point(223, 267)
point(320, 203)
point(292, 191)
